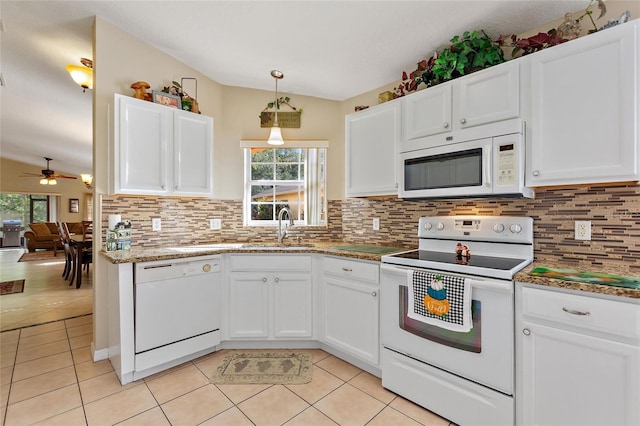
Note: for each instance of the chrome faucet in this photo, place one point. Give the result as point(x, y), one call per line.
point(281, 233)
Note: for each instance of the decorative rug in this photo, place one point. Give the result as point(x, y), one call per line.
point(10, 287)
point(41, 255)
point(291, 368)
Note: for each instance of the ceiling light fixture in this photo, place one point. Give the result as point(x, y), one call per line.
point(275, 137)
point(48, 181)
point(87, 179)
point(83, 76)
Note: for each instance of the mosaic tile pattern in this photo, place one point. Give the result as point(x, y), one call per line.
point(614, 212)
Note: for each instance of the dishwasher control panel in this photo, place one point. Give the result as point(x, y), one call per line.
point(175, 268)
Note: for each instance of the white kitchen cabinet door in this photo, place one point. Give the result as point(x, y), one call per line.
point(350, 316)
point(584, 125)
point(141, 151)
point(292, 306)
point(436, 115)
point(193, 153)
point(372, 138)
point(487, 96)
point(426, 113)
point(248, 305)
point(159, 150)
point(575, 379)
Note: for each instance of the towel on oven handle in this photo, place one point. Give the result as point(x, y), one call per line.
point(440, 300)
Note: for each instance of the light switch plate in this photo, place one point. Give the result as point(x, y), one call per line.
point(156, 224)
point(376, 224)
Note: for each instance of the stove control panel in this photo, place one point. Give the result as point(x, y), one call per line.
point(512, 229)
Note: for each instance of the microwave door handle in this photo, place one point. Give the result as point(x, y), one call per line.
point(487, 166)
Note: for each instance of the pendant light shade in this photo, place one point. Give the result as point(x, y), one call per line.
point(82, 75)
point(275, 137)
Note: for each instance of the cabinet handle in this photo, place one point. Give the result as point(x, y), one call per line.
point(163, 187)
point(573, 312)
point(264, 280)
point(177, 188)
point(526, 331)
point(536, 172)
point(277, 280)
point(445, 125)
point(463, 121)
point(374, 294)
point(344, 268)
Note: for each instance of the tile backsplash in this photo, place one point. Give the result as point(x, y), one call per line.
point(614, 212)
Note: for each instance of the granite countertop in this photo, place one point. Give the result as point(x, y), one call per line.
point(526, 277)
point(338, 248)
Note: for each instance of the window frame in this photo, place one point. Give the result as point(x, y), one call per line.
point(311, 171)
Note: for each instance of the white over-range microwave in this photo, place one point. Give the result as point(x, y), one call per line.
point(482, 167)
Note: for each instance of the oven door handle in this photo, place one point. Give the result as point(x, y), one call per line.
point(505, 286)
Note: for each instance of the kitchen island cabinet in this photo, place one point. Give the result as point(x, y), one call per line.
point(372, 138)
point(578, 358)
point(270, 297)
point(584, 126)
point(159, 150)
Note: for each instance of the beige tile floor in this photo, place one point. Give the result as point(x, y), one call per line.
point(47, 376)
point(46, 297)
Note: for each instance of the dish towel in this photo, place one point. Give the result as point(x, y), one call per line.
point(440, 300)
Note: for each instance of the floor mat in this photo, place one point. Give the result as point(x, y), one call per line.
point(41, 255)
point(264, 368)
point(11, 287)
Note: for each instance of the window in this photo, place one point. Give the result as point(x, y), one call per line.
point(27, 208)
point(284, 177)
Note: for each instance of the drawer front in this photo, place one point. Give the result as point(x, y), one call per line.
point(602, 315)
point(369, 272)
point(268, 262)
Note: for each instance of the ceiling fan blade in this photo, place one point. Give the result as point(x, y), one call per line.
point(31, 175)
point(64, 177)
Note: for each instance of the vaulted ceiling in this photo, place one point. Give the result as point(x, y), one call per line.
point(328, 49)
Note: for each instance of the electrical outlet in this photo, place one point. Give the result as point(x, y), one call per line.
point(215, 224)
point(376, 224)
point(583, 230)
point(156, 224)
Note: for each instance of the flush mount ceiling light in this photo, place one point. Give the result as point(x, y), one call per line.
point(83, 76)
point(275, 137)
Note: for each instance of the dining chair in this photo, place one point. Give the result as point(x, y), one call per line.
point(87, 229)
point(68, 253)
point(81, 254)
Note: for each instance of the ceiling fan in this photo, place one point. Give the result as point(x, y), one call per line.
point(48, 176)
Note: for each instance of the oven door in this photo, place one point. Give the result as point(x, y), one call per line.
point(483, 355)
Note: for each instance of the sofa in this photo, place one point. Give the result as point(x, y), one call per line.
point(43, 235)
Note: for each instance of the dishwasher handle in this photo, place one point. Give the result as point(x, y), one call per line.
point(176, 268)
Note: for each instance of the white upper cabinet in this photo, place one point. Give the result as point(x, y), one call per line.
point(142, 133)
point(372, 137)
point(193, 153)
point(161, 151)
point(584, 126)
point(432, 115)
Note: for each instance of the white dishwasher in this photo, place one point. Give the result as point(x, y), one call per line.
point(177, 310)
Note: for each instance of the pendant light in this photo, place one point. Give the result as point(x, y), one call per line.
point(83, 76)
point(275, 137)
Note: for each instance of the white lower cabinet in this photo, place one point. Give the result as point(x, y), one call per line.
point(350, 308)
point(270, 297)
point(578, 359)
